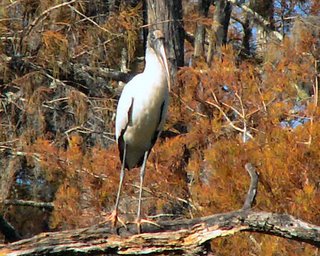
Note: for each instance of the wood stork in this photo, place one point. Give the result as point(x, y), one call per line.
point(141, 114)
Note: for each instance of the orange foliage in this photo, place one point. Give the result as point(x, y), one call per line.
point(259, 100)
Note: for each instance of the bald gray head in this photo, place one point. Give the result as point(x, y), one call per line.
point(154, 36)
point(156, 42)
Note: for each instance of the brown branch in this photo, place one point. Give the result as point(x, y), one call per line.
point(9, 232)
point(252, 192)
point(189, 37)
point(107, 73)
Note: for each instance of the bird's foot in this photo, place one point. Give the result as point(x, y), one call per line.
point(140, 221)
point(114, 218)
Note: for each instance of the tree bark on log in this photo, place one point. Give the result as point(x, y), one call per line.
point(182, 236)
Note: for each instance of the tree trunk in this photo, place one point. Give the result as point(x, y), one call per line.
point(167, 16)
point(247, 36)
point(220, 26)
point(203, 7)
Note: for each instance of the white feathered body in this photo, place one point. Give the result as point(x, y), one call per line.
point(147, 95)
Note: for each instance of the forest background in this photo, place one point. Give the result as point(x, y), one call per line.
point(246, 88)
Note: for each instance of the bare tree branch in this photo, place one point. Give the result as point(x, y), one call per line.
point(108, 73)
point(252, 192)
point(46, 205)
point(75, 72)
point(258, 18)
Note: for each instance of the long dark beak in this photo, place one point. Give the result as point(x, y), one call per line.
point(162, 53)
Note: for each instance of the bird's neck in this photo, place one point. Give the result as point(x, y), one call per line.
point(153, 65)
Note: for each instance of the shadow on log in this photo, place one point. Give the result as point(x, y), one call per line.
point(177, 236)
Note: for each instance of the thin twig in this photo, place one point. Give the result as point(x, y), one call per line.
point(228, 119)
point(187, 106)
point(45, 13)
point(243, 116)
point(90, 20)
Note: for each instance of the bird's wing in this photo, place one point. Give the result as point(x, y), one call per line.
point(122, 128)
point(123, 117)
point(124, 111)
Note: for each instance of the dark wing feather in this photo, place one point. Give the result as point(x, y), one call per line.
point(120, 139)
point(157, 131)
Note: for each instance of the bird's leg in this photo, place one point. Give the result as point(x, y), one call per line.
point(142, 172)
point(114, 215)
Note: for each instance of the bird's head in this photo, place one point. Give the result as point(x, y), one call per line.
point(156, 42)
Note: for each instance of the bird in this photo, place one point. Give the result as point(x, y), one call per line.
point(141, 114)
